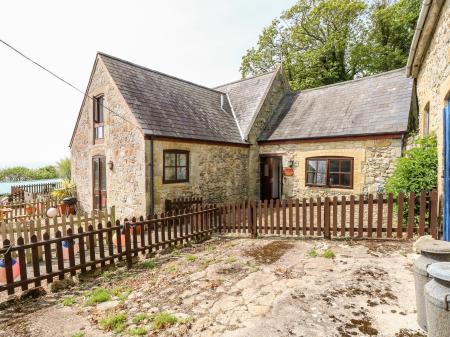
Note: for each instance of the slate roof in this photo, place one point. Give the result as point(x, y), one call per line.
point(246, 96)
point(167, 106)
point(378, 104)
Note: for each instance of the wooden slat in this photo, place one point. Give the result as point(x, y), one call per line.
point(326, 218)
point(343, 215)
point(400, 205)
point(272, 218)
point(266, 217)
point(335, 211)
point(352, 216)
point(370, 215)
point(304, 224)
point(297, 217)
point(422, 211)
point(360, 216)
point(379, 215)
point(433, 214)
point(411, 209)
point(284, 207)
point(390, 212)
point(22, 263)
point(277, 211)
point(311, 216)
point(319, 216)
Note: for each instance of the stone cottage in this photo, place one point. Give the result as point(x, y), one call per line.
point(142, 137)
point(429, 65)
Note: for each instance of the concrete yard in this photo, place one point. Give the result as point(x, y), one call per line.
point(236, 287)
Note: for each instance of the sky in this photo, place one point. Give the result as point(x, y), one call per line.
point(202, 41)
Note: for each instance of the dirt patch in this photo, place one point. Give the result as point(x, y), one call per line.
point(269, 253)
point(409, 333)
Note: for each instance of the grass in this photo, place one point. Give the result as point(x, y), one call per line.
point(191, 258)
point(328, 254)
point(211, 248)
point(121, 293)
point(79, 334)
point(114, 323)
point(68, 301)
point(231, 259)
point(139, 331)
point(139, 318)
point(149, 264)
point(172, 269)
point(313, 252)
point(163, 320)
point(98, 295)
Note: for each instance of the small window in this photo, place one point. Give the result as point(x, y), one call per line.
point(176, 166)
point(329, 172)
point(99, 125)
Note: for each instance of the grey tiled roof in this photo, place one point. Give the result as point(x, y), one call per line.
point(246, 96)
point(372, 105)
point(167, 106)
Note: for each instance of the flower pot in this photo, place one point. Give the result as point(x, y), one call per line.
point(15, 270)
point(62, 209)
point(65, 246)
point(288, 171)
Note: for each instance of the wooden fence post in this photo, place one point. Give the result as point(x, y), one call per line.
point(326, 219)
point(434, 214)
point(128, 244)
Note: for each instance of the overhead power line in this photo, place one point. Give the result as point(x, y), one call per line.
point(63, 80)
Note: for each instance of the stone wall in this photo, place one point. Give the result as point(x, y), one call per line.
point(217, 173)
point(279, 87)
point(373, 164)
point(124, 145)
point(433, 82)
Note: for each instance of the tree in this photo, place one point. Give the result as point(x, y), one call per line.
point(321, 42)
point(63, 168)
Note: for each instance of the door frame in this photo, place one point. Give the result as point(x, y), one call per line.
point(278, 156)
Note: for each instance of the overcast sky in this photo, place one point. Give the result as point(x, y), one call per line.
point(198, 40)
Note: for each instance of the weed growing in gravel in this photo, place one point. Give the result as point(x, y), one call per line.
point(139, 318)
point(328, 254)
point(231, 259)
point(97, 296)
point(211, 248)
point(313, 252)
point(149, 264)
point(121, 293)
point(139, 331)
point(175, 252)
point(162, 320)
point(191, 258)
point(115, 323)
point(79, 334)
point(68, 301)
point(172, 269)
point(206, 262)
point(108, 274)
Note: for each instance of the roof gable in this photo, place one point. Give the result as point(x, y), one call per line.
point(167, 106)
point(376, 104)
point(246, 97)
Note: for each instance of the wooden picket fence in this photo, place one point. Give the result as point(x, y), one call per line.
point(43, 189)
point(83, 249)
point(178, 204)
point(27, 210)
point(372, 216)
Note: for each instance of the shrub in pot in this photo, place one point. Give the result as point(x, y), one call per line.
point(67, 190)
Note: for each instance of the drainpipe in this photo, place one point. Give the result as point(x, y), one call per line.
point(152, 182)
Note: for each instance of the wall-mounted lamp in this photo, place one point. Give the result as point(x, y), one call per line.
point(110, 165)
point(292, 163)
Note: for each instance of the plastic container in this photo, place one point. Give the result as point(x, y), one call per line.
point(432, 251)
point(437, 300)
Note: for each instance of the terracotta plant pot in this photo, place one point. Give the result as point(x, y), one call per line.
point(288, 171)
point(62, 209)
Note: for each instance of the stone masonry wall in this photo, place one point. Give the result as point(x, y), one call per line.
point(124, 145)
point(217, 173)
point(373, 164)
point(276, 93)
point(433, 82)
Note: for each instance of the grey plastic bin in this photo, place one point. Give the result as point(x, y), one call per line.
point(437, 300)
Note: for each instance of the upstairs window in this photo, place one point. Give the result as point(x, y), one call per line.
point(176, 166)
point(334, 172)
point(99, 125)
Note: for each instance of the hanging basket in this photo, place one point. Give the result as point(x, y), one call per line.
point(288, 171)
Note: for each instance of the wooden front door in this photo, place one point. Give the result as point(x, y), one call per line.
point(270, 178)
point(99, 182)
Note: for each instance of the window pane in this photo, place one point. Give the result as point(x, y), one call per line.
point(345, 166)
point(103, 200)
point(100, 109)
point(266, 170)
point(321, 179)
point(334, 165)
point(181, 157)
point(96, 174)
point(99, 132)
point(334, 179)
point(322, 166)
point(96, 202)
point(181, 173)
point(103, 173)
point(311, 177)
point(312, 164)
point(170, 159)
point(345, 180)
point(170, 173)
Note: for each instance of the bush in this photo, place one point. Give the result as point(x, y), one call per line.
point(417, 170)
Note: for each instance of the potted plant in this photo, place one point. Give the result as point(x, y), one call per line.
point(66, 190)
point(288, 171)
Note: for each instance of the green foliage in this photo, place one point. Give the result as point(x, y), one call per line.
point(148, 264)
point(20, 173)
point(162, 320)
point(115, 323)
point(139, 331)
point(67, 190)
point(313, 252)
point(68, 301)
point(191, 258)
point(328, 254)
point(139, 318)
point(320, 42)
point(416, 171)
point(63, 168)
point(79, 334)
point(97, 296)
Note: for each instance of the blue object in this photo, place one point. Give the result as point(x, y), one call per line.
point(447, 173)
point(2, 263)
point(65, 243)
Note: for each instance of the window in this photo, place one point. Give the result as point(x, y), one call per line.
point(99, 127)
point(329, 172)
point(99, 182)
point(176, 166)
